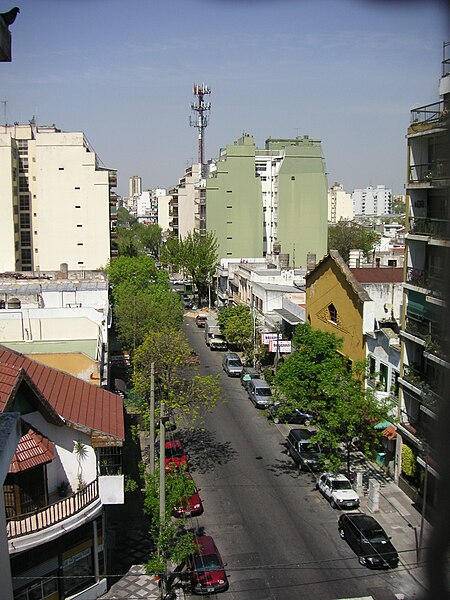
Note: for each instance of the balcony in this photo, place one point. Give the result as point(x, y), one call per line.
point(46, 517)
point(422, 385)
point(429, 114)
point(431, 280)
point(429, 172)
point(436, 228)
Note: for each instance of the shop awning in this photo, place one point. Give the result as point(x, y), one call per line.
point(382, 425)
point(288, 316)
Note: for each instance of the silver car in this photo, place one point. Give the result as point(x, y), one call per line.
point(232, 364)
point(260, 393)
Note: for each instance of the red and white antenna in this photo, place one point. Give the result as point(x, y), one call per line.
point(200, 119)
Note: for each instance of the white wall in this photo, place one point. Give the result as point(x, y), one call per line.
point(7, 239)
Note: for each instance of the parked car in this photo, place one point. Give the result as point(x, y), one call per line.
point(368, 540)
point(260, 393)
point(281, 413)
point(207, 571)
point(231, 364)
point(200, 320)
point(305, 453)
point(187, 303)
point(217, 342)
point(338, 490)
point(249, 373)
point(192, 505)
point(175, 456)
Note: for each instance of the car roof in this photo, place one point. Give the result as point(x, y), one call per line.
point(250, 371)
point(300, 434)
point(206, 543)
point(201, 317)
point(259, 383)
point(231, 355)
point(363, 521)
point(336, 476)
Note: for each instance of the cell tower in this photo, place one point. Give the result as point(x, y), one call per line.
point(200, 120)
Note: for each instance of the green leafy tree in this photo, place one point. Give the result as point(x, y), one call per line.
point(172, 543)
point(236, 324)
point(124, 218)
point(127, 245)
point(185, 393)
point(346, 235)
point(134, 273)
point(149, 237)
point(317, 378)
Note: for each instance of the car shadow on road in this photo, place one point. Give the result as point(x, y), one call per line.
point(284, 465)
point(205, 451)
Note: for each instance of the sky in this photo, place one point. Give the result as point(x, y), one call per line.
point(346, 72)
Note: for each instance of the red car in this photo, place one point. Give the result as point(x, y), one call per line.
point(206, 568)
point(175, 455)
point(192, 505)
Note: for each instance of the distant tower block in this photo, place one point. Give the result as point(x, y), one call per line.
point(200, 119)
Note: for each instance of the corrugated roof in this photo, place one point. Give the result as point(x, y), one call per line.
point(73, 399)
point(33, 449)
point(378, 275)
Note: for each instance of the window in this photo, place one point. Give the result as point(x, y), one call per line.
point(24, 202)
point(77, 206)
point(332, 314)
point(384, 382)
point(79, 225)
point(60, 168)
point(25, 238)
point(25, 220)
point(109, 460)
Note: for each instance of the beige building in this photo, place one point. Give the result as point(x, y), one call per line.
point(183, 204)
point(54, 201)
point(340, 204)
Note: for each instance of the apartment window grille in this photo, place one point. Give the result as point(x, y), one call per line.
point(24, 202)
point(26, 256)
point(22, 145)
point(25, 220)
point(25, 238)
point(23, 184)
point(109, 460)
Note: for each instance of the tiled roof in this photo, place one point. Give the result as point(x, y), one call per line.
point(378, 275)
point(9, 379)
point(73, 399)
point(34, 449)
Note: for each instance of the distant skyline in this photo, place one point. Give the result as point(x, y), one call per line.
point(346, 72)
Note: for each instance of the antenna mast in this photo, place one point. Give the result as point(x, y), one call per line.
point(200, 120)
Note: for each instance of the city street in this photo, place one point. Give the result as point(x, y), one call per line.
point(276, 533)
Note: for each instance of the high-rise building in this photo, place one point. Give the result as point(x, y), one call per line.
point(267, 201)
point(372, 201)
point(425, 350)
point(54, 201)
point(135, 185)
point(340, 204)
point(182, 205)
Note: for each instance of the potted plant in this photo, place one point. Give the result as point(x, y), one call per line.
point(63, 489)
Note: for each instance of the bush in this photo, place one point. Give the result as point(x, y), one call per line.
point(409, 462)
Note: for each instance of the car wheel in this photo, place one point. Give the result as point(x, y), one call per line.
point(342, 534)
point(333, 504)
point(362, 561)
point(317, 486)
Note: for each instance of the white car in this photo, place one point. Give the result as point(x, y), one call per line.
point(338, 490)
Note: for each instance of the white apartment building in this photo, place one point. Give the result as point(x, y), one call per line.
point(54, 201)
point(184, 202)
point(374, 201)
point(340, 204)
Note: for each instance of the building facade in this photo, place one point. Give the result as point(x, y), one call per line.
point(340, 204)
point(271, 200)
point(54, 200)
point(425, 357)
point(184, 202)
point(372, 201)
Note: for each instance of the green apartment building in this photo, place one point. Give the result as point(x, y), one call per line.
point(271, 200)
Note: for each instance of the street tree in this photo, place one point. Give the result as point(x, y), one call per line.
point(236, 324)
point(135, 273)
point(317, 379)
point(187, 396)
point(347, 235)
point(171, 542)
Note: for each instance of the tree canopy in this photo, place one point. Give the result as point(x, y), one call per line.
point(316, 378)
point(236, 324)
point(347, 235)
point(185, 393)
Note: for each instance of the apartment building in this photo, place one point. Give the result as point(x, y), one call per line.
point(261, 201)
point(184, 201)
point(372, 201)
point(425, 356)
point(55, 201)
point(340, 204)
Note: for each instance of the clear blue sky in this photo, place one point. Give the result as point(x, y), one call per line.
point(346, 72)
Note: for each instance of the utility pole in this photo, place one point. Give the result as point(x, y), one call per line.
point(152, 418)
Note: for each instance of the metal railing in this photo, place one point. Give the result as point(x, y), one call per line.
point(438, 228)
point(430, 280)
point(428, 113)
point(54, 513)
point(428, 172)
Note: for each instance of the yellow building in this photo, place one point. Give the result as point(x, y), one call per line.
point(352, 303)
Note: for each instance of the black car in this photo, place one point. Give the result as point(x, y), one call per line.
point(280, 413)
point(368, 540)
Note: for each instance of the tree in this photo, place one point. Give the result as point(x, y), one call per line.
point(346, 235)
point(171, 541)
point(317, 379)
point(184, 392)
point(236, 324)
point(134, 273)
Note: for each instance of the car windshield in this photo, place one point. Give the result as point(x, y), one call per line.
point(375, 535)
point(310, 448)
point(210, 562)
point(234, 362)
point(341, 485)
point(263, 392)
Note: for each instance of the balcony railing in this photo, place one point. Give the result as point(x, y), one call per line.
point(438, 228)
point(414, 376)
point(429, 172)
point(432, 281)
point(428, 113)
point(50, 515)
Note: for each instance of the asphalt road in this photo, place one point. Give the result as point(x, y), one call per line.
point(276, 533)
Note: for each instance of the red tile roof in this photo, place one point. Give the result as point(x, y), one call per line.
point(9, 379)
point(34, 449)
point(378, 275)
point(73, 399)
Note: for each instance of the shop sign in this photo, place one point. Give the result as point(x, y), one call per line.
point(284, 346)
point(267, 337)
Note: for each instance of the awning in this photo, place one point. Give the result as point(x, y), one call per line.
point(288, 316)
point(390, 432)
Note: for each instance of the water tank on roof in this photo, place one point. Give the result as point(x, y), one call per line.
point(14, 303)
